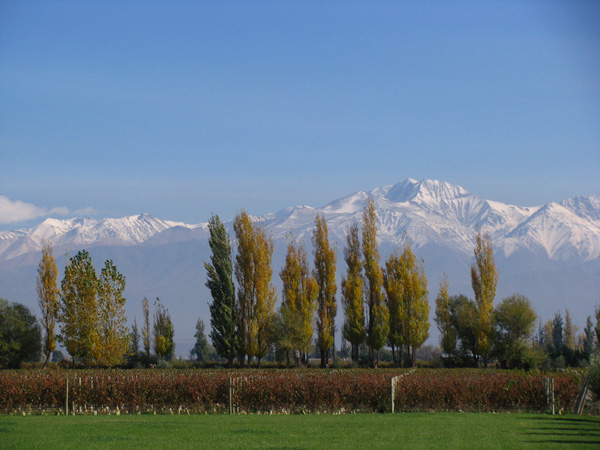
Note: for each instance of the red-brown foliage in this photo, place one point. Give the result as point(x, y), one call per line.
point(281, 391)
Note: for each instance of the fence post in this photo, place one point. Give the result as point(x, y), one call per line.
point(393, 393)
point(67, 399)
point(230, 397)
point(550, 395)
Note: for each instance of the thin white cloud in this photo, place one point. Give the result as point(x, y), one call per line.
point(18, 211)
point(88, 211)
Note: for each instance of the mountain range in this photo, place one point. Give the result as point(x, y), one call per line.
point(550, 253)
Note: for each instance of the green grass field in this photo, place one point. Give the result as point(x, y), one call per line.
point(408, 430)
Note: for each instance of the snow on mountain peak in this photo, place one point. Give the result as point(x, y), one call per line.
point(428, 211)
point(79, 231)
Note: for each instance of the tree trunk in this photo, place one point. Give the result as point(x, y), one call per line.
point(47, 359)
point(333, 355)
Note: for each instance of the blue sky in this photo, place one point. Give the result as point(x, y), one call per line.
point(180, 109)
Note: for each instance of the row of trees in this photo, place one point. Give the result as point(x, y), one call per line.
point(90, 312)
point(471, 330)
point(381, 305)
point(160, 337)
point(466, 326)
point(89, 309)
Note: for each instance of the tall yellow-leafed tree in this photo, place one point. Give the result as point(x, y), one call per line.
point(265, 293)
point(256, 295)
point(484, 279)
point(299, 302)
point(353, 329)
point(113, 334)
point(324, 273)
point(48, 295)
point(377, 313)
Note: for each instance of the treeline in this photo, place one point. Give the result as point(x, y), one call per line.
point(89, 311)
point(382, 305)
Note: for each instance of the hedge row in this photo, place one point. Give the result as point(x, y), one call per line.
point(281, 391)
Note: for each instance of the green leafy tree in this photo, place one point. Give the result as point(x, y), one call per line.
point(146, 332)
point(557, 335)
point(464, 316)
point(569, 332)
point(78, 308)
point(20, 335)
point(353, 329)
point(134, 341)
point(324, 273)
point(164, 345)
point(48, 295)
point(112, 334)
point(484, 279)
point(443, 319)
point(515, 323)
point(588, 342)
point(202, 349)
point(220, 283)
point(377, 313)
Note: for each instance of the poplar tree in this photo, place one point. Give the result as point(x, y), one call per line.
point(588, 342)
point(406, 289)
point(484, 279)
point(220, 283)
point(265, 293)
point(164, 333)
point(113, 335)
point(377, 312)
point(201, 348)
point(353, 329)
point(78, 307)
point(244, 273)
point(298, 304)
point(325, 265)
point(134, 340)
point(394, 290)
point(569, 331)
point(146, 333)
point(48, 295)
point(443, 319)
point(557, 335)
point(256, 295)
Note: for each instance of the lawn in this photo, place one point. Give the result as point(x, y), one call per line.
point(408, 430)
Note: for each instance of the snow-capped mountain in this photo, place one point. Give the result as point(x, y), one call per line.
point(550, 253)
point(83, 232)
point(433, 212)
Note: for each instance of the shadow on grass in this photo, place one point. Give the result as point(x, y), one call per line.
point(562, 430)
point(560, 419)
